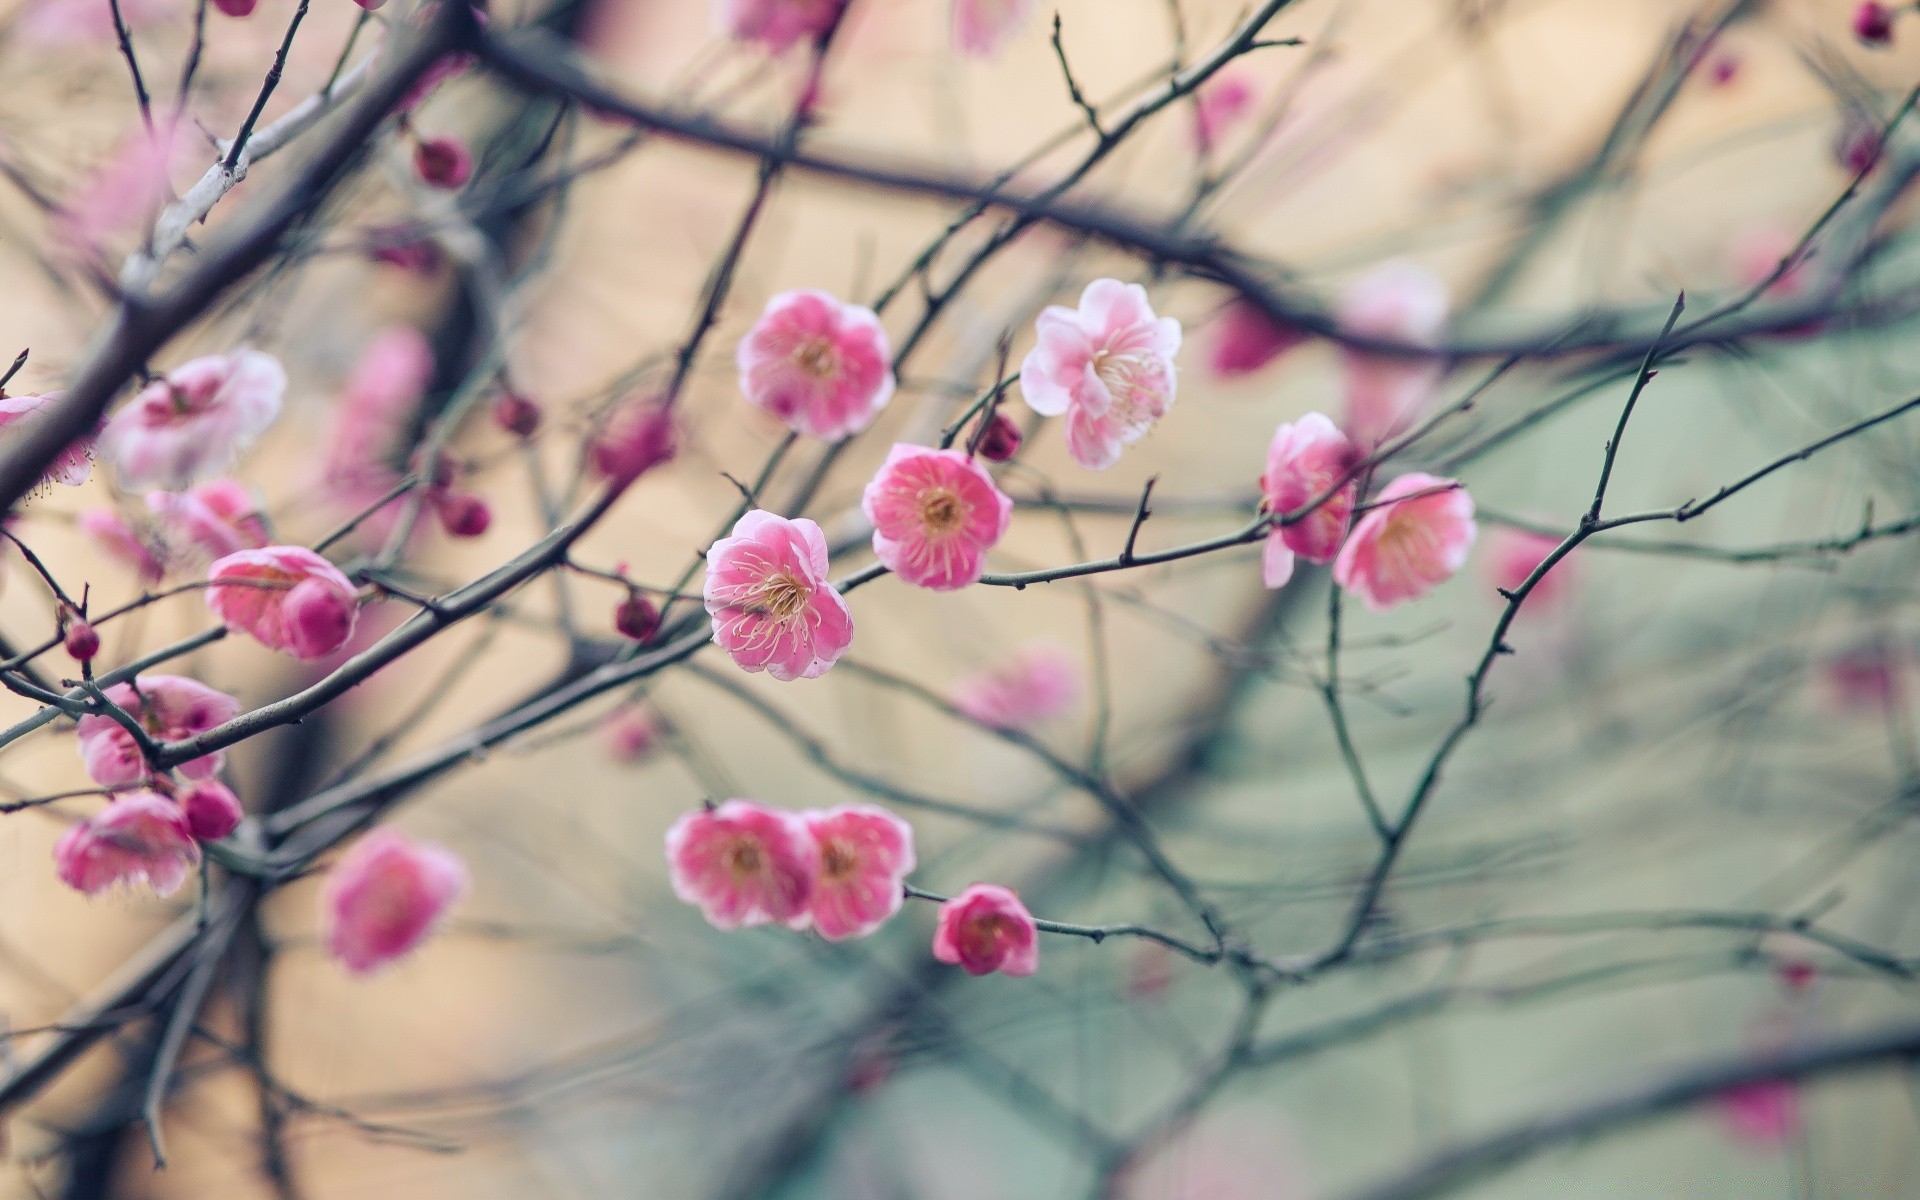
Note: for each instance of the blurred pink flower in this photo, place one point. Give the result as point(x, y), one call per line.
point(211, 521)
point(376, 406)
point(986, 929)
point(443, 161)
point(1397, 301)
point(637, 436)
point(1866, 678)
point(1873, 24)
point(865, 855)
point(1107, 365)
point(1037, 683)
point(286, 598)
point(169, 708)
point(1764, 1114)
point(1218, 105)
point(141, 837)
point(935, 515)
point(1513, 554)
point(776, 24)
point(191, 424)
point(19, 414)
point(743, 864)
point(64, 23)
point(1304, 462)
point(385, 896)
point(127, 545)
point(126, 190)
point(211, 809)
point(773, 609)
point(1246, 339)
point(983, 27)
point(822, 367)
point(1403, 548)
point(632, 732)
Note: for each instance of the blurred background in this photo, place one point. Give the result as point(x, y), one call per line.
point(1701, 750)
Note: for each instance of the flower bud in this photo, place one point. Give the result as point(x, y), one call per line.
point(443, 161)
point(638, 437)
point(82, 642)
point(463, 514)
point(319, 618)
point(516, 414)
point(1000, 440)
point(236, 8)
point(212, 810)
point(1873, 25)
point(636, 617)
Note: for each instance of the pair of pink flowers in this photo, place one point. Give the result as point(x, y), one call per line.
point(1414, 536)
point(144, 837)
point(168, 708)
point(1107, 366)
point(189, 425)
point(841, 871)
point(385, 896)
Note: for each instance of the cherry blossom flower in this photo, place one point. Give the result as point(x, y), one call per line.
point(776, 24)
point(1246, 339)
point(743, 863)
point(1512, 556)
point(1039, 682)
point(1107, 365)
point(1764, 1114)
point(385, 896)
point(141, 837)
point(64, 23)
point(1414, 539)
point(865, 855)
point(125, 544)
point(773, 609)
point(1305, 461)
point(1399, 301)
point(632, 732)
point(375, 408)
point(190, 425)
point(986, 929)
point(1218, 105)
point(125, 191)
point(982, 27)
point(822, 367)
point(211, 809)
point(169, 708)
point(638, 436)
point(210, 521)
point(935, 515)
point(19, 415)
point(286, 598)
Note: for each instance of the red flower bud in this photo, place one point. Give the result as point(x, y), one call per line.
point(236, 8)
point(443, 161)
point(516, 414)
point(636, 618)
point(638, 437)
point(463, 514)
point(82, 642)
point(1873, 24)
point(211, 809)
point(1000, 440)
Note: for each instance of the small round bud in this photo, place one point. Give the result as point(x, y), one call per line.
point(236, 8)
point(636, 618)
point(636, 438)
point(1001, 439)
point(516, 414)
point(463, 514)
point(211, 809)
point(443, 161)
point(1873, 24)
point(82, 641)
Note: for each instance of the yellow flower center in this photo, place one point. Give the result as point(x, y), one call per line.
point(783, 597)
point(837, 860)
point(744, 857)
point(818, 358)
point(942, 511)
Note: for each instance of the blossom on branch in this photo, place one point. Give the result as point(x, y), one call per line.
point(286, 598)
point(1107, 366)
point(19, 414)
point(776, 24)
point(743, 864)
point(1305, 462)
point(822, 367)
point(1396, 301)
point(773, 609)
point(1415, 537)
point(935, 515)
point(865, 855)
point(190, 425)
point(141, 837)
point(986, 929)
point(385, 896)
point(169, 708)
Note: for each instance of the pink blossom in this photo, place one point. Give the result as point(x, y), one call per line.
point(20, 414)
point(169, 708)
point(743, 864)
point(773, 609)
point(376, 405)
point(1513, 555)
point(1039, 682)
point(1246, 339)
point(1304, 463)
point(1218, 105)
point(211, 521)
point(385, 896)
point(444, 68)
point(125, 191)
point(122, 542)
point(1763, 1114)
point(189, 425)
point(638, 436)
point(822, 367)
point(65, 23)
point(211, 809)
point(1404, 547)
point(982, 27)
point(776, 24)
point(986, 929)
point(1866, 678)
point(935, 515)
point(286, 598)
point(1108, 366)
point(1873, 24)
point(142, 837)
point(865, 855)
point(632, 732)
point(1396, 301)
